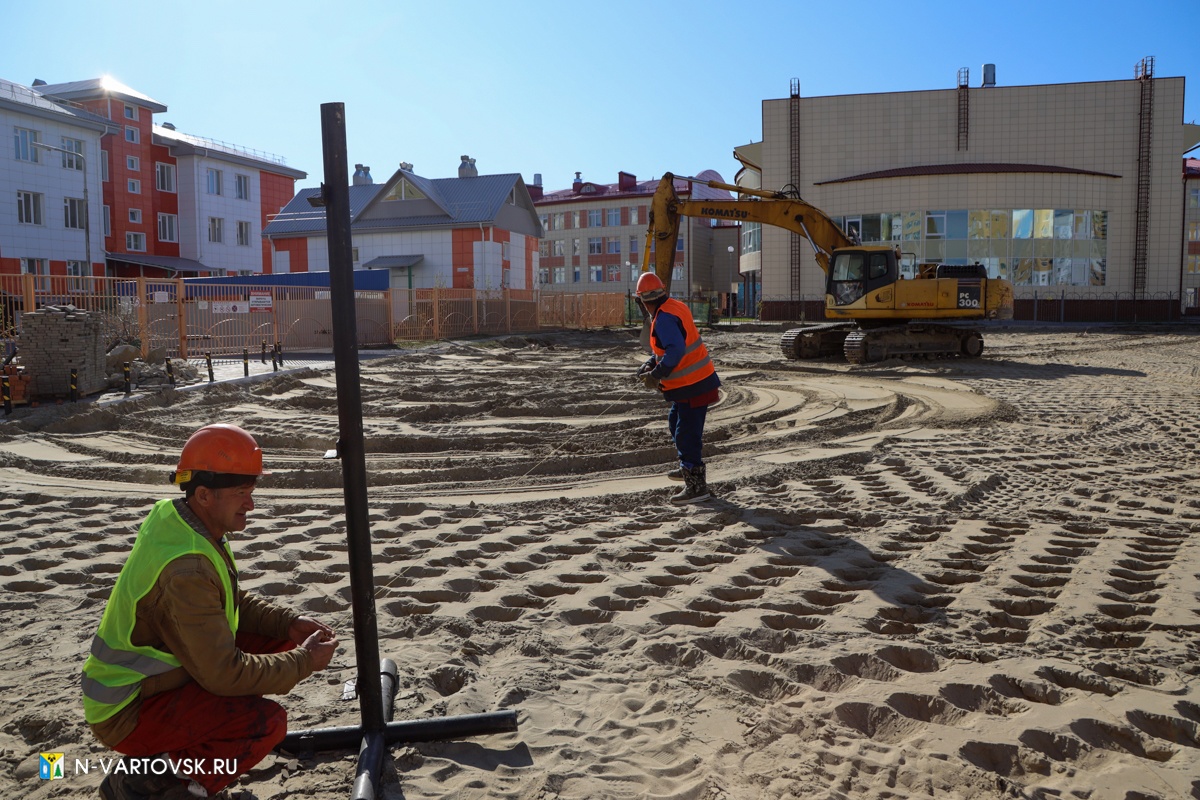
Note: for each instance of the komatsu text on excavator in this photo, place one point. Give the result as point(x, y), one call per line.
point(878, 313)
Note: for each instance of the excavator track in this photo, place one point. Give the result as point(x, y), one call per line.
point(915, 340)
point(815, 341)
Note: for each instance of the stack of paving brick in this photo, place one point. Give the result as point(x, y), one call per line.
point(18, 384)
point(56, 339)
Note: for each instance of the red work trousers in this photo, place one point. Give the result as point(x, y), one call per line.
point(224, 734)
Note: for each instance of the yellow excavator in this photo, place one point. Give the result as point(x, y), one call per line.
point(879, 313)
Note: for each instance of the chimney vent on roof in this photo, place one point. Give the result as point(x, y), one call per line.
point(535, 189)
point(578, 184)
point(362, 176)
point(406, 166)
point(38, 82)
point(626, 182)
point(989, 75)
point(169, 125)
point(467, 168)
point(537, 179)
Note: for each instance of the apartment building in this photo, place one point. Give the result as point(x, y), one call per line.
point(50, 180)
point(595, 234)
point(1190, 279)
point(163, 203)
point(1067, 190)
point(471, 231)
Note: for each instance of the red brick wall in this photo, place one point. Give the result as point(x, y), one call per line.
point(463, 256)
point(298, 250)
point(274, 193)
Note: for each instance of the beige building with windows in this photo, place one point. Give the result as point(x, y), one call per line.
point(1070, 191)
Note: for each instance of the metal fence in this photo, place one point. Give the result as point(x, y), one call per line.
point(186, 320)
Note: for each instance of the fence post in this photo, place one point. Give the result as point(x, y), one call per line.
point(507, 311)
point(7, 393)
point(1035, 310)
point(437, 315)
point(143, 318)
point(537, 310)
point(391, 318)
point(170, 372)
point(181, 317)
point(28, 300)
point(1062, 305)
point(245, 362)
point(475, 310)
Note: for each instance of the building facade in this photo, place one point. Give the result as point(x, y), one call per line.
point(469, 232)
point(50, 179)
point(595, 234)
point(1066, 190)
point(1191, 220)
point(164, 204)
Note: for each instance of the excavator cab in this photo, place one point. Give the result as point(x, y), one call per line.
point(854, 273)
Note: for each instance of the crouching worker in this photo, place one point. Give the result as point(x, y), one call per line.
point(687, 379)
point(183, 655)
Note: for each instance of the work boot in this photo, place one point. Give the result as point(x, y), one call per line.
point(121, 785)
point(676, 474)
point(695, 487)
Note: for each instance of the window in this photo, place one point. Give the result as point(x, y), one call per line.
point(595, 217)
point(614, 245)
point(242, 186)
point(243, 234)
point(135, 242)
point(76, 270)
point(935, 224)
point(1194, 231)
point(133, 163)
point(107, 221)
point(677, 273)
point(633, 215)
point(164, 177)
point(595, 246)
point(558, 247)
point(544, 248)
point(751, 237)
point(74, 213)
point(39, 267)
point(596, 274)
point(216, 232)
point(543, 275)
point(354, 254)
point(575, 247)
point(1193, 198)
point(560, 274)
point(29, 208)
point(135, 216)
point(24, 139)
point(545, 220)
point(559, 221)
point(633, 246)
point(131, 112)
point(104, 165)
point(614, 217)
point(577, 275)
point(71, 160)
point(679, 245)
point(168, 228)
point(132, 135)
point(134, 186)
point(214, 181)
point(614, 272)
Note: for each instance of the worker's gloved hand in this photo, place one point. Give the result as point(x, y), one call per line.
point(646, 367)
point(650, 381)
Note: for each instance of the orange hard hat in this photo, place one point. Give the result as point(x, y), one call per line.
point(219, 449)
point(650, 288)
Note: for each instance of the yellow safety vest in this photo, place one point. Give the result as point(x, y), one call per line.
point(115, 669)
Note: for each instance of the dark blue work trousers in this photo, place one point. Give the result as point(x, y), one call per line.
point(687, 429)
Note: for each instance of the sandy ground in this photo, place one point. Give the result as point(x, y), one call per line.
point(933, 579)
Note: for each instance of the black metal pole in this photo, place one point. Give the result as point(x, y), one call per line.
point(7, 393)
point(170, 372)
point(208, 360)
point(245, 362)
point(413, 730)
point(336, 193)
point(125, 371)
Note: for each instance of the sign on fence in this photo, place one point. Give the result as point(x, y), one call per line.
point(226, 307)
point(260, 301)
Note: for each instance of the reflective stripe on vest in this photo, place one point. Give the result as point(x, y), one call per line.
point(115, 668)
point(695, 365)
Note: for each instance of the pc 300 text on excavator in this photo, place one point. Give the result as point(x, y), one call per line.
point(878, 313)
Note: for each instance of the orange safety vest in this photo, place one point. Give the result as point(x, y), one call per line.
point(695, 365)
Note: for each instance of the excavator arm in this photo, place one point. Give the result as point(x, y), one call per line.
point(783, 211)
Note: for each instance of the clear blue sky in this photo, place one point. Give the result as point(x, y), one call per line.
point(555, 87)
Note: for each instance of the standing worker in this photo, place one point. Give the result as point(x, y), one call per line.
point(683, 372)
point(183, 655)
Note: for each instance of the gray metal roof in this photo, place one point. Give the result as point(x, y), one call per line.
point(167, 262)
point(100, 87)
point(188, 144)
point(387, 262)
point(467, 201)
point(32, 102)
